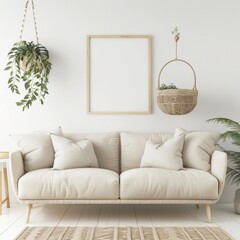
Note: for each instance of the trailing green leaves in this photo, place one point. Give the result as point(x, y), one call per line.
point(233, 172)
point(29, 66)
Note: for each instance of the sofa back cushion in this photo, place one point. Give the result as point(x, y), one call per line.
point(36, 149)
point(106, 147)
point(198, 148)
point(133, 145)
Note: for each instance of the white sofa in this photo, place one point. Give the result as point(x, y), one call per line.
point(119, 178)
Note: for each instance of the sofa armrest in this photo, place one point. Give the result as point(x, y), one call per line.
point(16, 169)
point(219, 168)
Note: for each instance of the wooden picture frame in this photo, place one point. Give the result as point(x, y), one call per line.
point(119, 74)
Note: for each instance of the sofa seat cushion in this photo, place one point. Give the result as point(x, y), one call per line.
point(159, 184)
point(80, 183)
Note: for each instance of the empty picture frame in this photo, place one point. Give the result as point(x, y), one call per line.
point(119, 74)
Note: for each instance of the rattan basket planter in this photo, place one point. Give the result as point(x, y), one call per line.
point(177, 101)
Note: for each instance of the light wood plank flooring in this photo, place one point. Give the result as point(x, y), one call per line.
point(12, 222)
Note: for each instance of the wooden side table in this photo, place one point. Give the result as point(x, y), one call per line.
point(4, 157)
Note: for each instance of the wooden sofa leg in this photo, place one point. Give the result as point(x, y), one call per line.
point(208, 211)
point(197, 205)
point(29, 208)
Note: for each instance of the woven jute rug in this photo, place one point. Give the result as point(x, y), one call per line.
point(124, 233)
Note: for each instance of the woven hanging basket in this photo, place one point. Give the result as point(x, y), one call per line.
point(177, 101)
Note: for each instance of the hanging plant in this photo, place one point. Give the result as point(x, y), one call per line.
point(29, 67)
point(170, 99)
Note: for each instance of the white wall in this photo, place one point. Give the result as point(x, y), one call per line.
point(209, 41)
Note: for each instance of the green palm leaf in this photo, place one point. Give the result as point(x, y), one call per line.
point(232, 125)
point(233, 157)
point(233, 135)
point(233, 176)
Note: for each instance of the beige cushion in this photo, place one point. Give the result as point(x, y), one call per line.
point(106, 147)
point(73, 155)
point(167, 155)
point(158, 184)
point(198, 148)
point(79, 183)
point(36, 149)
point(133, 145)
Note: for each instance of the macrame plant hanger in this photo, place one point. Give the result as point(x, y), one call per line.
point(34, 20)
point(177, 101)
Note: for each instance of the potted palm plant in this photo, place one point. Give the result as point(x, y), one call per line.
point(233, 171)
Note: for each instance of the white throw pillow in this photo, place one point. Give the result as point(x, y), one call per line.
point(73, 155)
point(198, 148)
point(167, 155)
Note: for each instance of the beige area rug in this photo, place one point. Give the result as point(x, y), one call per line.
point(124, 233)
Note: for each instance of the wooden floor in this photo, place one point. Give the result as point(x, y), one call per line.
point(12, 222)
